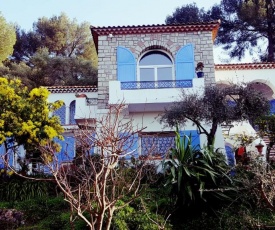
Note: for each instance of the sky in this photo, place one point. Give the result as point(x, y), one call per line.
point(96, 12)
point(99, 12)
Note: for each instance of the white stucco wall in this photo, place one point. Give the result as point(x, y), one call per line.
point(261, 75)
point(151, 123)
point(82, 110)
point(245, 75)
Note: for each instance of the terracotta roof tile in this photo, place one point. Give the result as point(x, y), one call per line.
point(71, 89)
point(244, 66)
point(150, 29)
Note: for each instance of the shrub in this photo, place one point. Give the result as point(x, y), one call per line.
point(138, 216)
point(16, 188)
point(10, 218)
point(38, 209)
point(191, 171)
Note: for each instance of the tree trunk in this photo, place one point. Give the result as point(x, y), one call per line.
point(211, 134)
point(99, 221)
point(110, 217)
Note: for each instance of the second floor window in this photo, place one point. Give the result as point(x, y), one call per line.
point(155, 66)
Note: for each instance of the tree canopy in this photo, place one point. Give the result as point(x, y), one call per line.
point(246, 25)
point(24, 115)
point(185, 14)
point(216, 106)
point(58, 51)
point(7, 38)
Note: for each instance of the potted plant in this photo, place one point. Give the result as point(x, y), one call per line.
point(260, 147)
point(199, 69)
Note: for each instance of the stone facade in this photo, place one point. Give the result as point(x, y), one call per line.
point(170, 41)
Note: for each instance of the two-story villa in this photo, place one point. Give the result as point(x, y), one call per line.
point(146, 68)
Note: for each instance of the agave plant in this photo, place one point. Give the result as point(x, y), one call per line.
point(190, 170)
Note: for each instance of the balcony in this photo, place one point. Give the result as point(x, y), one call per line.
point(85, 109)
point(152, 95)
point(156, 84)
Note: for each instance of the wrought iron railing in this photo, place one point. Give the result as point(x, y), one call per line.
point(91, 101)
point(157, 84)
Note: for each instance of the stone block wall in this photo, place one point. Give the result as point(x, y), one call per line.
point(139, 43)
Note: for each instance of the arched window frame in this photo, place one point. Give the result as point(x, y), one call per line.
point(61, 113)
point(72, 113)
point(156, 66)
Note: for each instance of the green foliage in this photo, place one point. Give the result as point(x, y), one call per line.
point(38, 209)
point(7, 39)
point(190, 171)
point(78, 223)
point(58, 51)
point(137, 216)
point(24, 116)
point(17, 188)
point(46, 213)
point(62, 36)
point(57, 70)
point(188, 13)
point(266, 127)
point(244, 24)
point(234, 217)
point(216, 106)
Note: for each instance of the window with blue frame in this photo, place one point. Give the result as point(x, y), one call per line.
point(61, 113)
point(67, 152)
point(160, 143)
point(72, 113)
point(272, 106)
point(155, 66)
point(157, 144)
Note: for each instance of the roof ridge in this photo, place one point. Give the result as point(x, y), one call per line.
point(256, 65)
point(156, 25)
point(72, 89)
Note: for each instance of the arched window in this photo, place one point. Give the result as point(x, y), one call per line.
point(155, 66)
point(272, 106)
point(61, 113)
point(72, 113)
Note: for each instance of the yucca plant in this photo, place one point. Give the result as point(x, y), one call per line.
point(190, 170)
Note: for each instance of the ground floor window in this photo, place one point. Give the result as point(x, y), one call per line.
point(156, 143)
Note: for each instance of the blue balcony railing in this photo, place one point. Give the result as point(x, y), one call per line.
point(157, 84)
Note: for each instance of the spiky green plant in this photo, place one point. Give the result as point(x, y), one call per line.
point(191, 170)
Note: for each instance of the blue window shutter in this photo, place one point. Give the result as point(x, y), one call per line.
point(10, 150)
point(61, 113)
point(91, 143)
point(9, 153)
point(185, 68)
point(2, 153)
point(230, 155)
point(72, 113)
point(195, 137)
point(67, 152)
point(126, 65)
point(131, 145)
point(11, 157)
point(272, 106)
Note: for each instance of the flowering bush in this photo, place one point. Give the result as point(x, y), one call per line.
point(10, 218)
point(24, 115)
